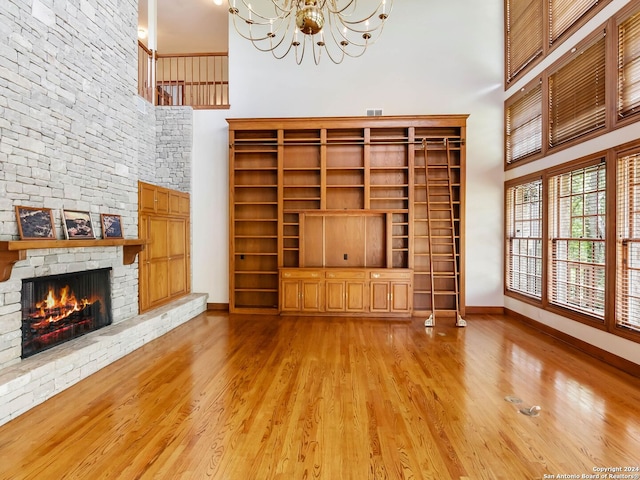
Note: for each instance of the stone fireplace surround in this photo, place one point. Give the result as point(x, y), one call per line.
point(25, 383)
point(38, 378)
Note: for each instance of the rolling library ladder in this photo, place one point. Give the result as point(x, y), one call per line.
point(442, 237)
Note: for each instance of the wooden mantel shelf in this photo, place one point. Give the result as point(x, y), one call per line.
point(13, 251)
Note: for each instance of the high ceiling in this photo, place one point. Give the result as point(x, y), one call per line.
point(188, 26)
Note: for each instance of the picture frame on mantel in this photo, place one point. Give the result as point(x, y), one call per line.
point(35, 223)
point(111, 225)
point(77, 225)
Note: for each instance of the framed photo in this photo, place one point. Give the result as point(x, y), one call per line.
point(35, 223)
point(77, 225)
point(111, 225)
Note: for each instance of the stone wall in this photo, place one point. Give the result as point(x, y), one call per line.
point(73, 135)
point(174, 140)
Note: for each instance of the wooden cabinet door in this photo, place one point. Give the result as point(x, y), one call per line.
point(146, 197)
point(335, 296)
point(312, 296)
point(290, 296)
point(158, 263)
point(177, 252)
point(356, 297)
point(379, 298)
point(400, 297)
point(162, 200)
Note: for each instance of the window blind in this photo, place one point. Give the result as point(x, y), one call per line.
point(629, 66)
point(524, 126)
point(524, 34)
point(577, 95)
point(564, 13)
point(628, 243)
point(577, 215)
point(524, 239)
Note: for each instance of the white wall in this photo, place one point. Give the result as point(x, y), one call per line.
point(453, 63)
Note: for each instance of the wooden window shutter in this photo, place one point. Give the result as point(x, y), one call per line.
point(524, 34)
point(629, 66)
point(524, 239)
point(524, 126)
point(577, 219)
point(577, 95)
point(628, 243)
point(565, 13)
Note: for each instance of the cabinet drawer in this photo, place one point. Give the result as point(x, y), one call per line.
point(301, 273)
point(393, 275)
point(345, 275)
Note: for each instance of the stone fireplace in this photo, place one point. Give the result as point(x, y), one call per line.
point(87, 140)
point(59, 308)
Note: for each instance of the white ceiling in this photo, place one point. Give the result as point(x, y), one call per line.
point(188, 26)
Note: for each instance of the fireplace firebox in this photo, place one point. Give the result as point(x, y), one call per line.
point(58, 308)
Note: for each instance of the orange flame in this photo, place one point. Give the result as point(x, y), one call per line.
point(53, 309)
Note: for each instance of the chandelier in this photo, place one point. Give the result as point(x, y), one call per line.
point(337, 28)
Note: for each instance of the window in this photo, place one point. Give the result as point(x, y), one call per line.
point(565, 13)
point(628, 243)
point(577, 215)
point(524, 125)
point(523, 35)
point(524, 239)
point(577, 94)
point(533, 28)
point(629, 66)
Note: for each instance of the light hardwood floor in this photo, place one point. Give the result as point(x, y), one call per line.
point(253, 397)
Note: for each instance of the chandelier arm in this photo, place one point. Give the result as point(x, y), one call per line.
point(249, 37)
point(304, 44)
point(284, 11)
point(333, 27)
point(338, 11)
point(334, 60)
point(277, 55)
point(316, 60)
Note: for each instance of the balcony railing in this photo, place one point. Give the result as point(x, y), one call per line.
point(199, 80)
point(145, 72)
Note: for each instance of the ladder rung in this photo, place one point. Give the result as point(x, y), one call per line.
point(442, 292)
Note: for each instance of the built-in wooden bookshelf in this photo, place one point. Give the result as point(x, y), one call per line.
point(288, 171)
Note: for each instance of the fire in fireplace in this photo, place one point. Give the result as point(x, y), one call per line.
point(58, 308)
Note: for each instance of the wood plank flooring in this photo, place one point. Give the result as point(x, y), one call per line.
point(253, 397)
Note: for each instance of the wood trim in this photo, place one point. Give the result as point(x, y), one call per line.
point(346, 122)
point(609, 358)
point(217, 307)
point(14, 250)
point(484, 310)
point(194, 54)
